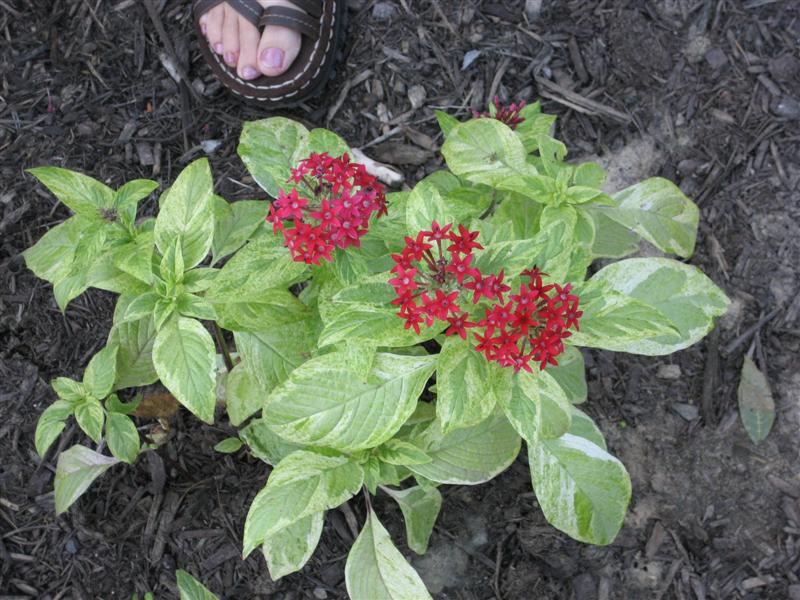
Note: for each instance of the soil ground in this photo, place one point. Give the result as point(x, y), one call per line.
point(703, 92)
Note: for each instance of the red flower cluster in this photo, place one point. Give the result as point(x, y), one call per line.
point(506, 114)
point(428, 284)
point(329, 208)
point(531, 325)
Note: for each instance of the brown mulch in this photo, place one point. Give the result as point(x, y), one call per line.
point(703, 92)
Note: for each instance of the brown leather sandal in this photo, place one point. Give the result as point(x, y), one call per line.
point(322, 28)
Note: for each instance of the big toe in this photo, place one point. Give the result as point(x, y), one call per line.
point(277, 50)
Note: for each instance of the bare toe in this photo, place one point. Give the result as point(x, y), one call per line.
point(213, 21)
point(279, 46)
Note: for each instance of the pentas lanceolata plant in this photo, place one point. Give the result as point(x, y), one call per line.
point(383, 343)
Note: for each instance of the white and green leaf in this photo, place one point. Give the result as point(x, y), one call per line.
point(303, 483)
point(322, 403)
point(467, 456)
point(583, 490)
point(184, 357)
point(288, 550)
point(186, 214)
point(420, 506)
point(376, 569)
point(76, 469)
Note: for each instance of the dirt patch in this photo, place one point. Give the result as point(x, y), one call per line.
point(708, 89)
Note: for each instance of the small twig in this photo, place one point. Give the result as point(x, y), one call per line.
point(731, 348)
point(226, 355)
point(710, 376)
point(382, 138)
point(582, 104)
point(497, 564)
point(152, 12)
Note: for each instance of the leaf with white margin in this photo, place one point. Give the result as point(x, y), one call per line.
point(234, 224)
point(122, 437)
point(288, 550)
point(270, 149)
point(98, 378)
point(583, 426)
point(375, 323)
point(135, 353)
point(511, 256)
point(376, 570)
point(611, 240)
point(191, 589)
point(261, 265)
point(50, 425)
point(274, 307)
point(685, 297)
point(537, 407)
point(322, 403)
point(467, 385)
point(570, 374)
point(265, 444)
point(90, 415)
point(485, 151)
point(322, 140)
point(51, 257)
point(615, 321)
point(583, 490)
point(523, 214)
point(468, 456)
point(185, 357)
point(657, 210)
point(425, 205)
point(271, 355)
point(244, 396)
point(303, 483)
point(76, 469)
point(84, 195)
point(135, 257)
point(186, 213)
point(420, 507)
point(535, 123)
point(557, 225)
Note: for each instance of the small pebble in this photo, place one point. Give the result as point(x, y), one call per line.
point(688, 412)
point(716, 58)
point(784, 67)
point(417, 95)
point(72, 546)
point(383, 11)
point(469, 58)
point(786, 107)
point(668, 372)
point(533, 8)
point(320, 593)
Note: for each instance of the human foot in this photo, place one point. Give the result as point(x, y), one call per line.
point(237, 40)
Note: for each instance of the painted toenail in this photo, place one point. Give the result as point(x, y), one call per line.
point(272, 58)
point(249, 73)
point(218, 48)
point(230, 58)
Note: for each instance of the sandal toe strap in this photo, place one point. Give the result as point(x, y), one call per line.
point(292, 18)
point(249, 9)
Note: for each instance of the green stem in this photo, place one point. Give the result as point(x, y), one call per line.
point(226, 355)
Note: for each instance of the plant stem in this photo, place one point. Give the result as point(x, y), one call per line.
point(226, 355)
point(492, 206)
point(366, 499)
